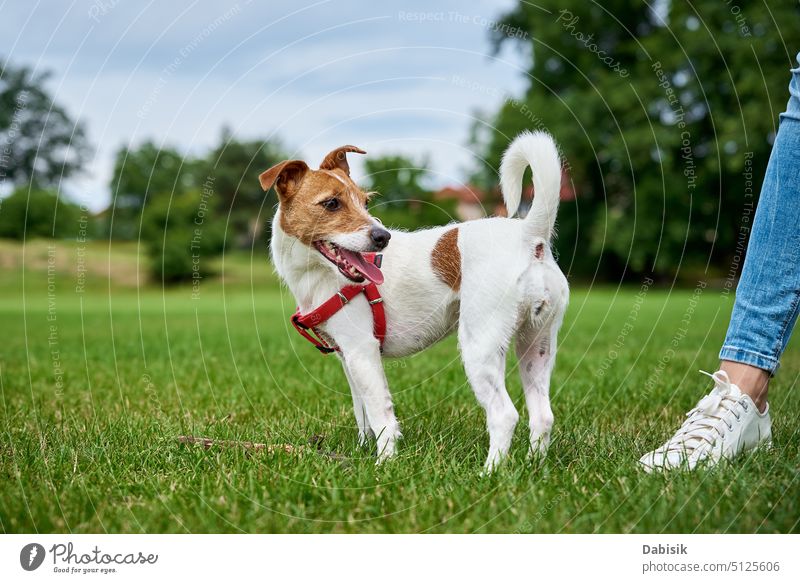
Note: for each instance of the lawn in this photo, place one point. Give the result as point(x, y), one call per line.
point(97, 384)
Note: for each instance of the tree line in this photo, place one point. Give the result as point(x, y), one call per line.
point(181, 207)
point(665, 114)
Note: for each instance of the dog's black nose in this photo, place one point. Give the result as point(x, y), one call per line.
point(380, 237)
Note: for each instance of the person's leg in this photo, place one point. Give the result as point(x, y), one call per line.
point(753, 381)
point(734, 417)
point(766, 306)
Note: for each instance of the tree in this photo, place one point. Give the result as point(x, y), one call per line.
point(39, 141)
point(401, 199)
point(179, 237)
point(232, 167)
point(142, 174)
point(31, 212)
point(397, 178)
point(658, 115)
point(227, 176)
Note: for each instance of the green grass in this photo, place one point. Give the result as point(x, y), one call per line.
point(141, 367)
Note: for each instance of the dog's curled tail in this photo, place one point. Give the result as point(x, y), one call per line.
point(537, 150)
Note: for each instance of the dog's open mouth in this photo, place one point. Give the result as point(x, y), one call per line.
point(350, 263)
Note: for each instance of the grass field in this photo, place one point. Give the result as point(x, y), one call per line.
point(97, 385)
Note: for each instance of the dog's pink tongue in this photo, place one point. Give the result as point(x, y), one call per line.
point(364, 267)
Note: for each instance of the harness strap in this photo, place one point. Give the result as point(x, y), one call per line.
point(378, 313)
point(305, 324)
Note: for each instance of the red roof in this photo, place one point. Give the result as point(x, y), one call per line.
point(468, 193)
point(462, 192)
point(567, 191)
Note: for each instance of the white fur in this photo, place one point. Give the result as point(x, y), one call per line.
point(527, 147)
point(355, 241)
point(506, 290)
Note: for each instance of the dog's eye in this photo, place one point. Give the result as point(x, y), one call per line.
point(331, 204)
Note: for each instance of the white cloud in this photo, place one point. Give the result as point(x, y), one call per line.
point(339, 72)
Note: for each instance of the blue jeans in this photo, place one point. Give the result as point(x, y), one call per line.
point(768, 294)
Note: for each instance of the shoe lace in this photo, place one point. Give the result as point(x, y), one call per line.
point(704, 423)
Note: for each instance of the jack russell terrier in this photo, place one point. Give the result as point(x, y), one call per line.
point(489, 279)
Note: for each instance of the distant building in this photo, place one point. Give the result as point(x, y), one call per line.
point(475, 203)
point(470, 200)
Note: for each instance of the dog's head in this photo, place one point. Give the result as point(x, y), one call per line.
point(327, 211)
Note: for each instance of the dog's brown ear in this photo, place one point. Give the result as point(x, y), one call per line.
point(338, 159)
point(285, 176)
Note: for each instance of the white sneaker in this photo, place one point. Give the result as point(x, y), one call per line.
point(724, 424)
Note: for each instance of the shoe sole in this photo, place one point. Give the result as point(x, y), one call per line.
point(708, 464)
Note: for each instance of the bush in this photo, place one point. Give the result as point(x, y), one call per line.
point(181, 236)
point(31, 212)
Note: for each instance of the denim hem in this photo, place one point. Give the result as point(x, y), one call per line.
point(756, 359)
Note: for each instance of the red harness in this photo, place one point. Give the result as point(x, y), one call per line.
point(306, 323)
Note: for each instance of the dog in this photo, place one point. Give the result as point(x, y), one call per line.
point(489, 280)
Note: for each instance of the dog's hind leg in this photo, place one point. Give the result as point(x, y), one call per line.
point(484, 342)
point(536, 348)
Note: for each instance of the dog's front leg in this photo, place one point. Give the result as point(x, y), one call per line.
point(364, 430)
point(364, 369)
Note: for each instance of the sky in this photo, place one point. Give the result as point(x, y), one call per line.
point(390, 77)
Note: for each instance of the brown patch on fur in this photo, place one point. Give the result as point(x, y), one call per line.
point(303, 217)
point(446, 259)
point(287, 173)
point(538, 251)
point(301, 192)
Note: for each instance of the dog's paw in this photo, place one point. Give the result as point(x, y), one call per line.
point(538, 450)
point(387, 445)
point(386, 453)
point(539, 444)
point(493, 462)
point(364, 437)
point(383, 458)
